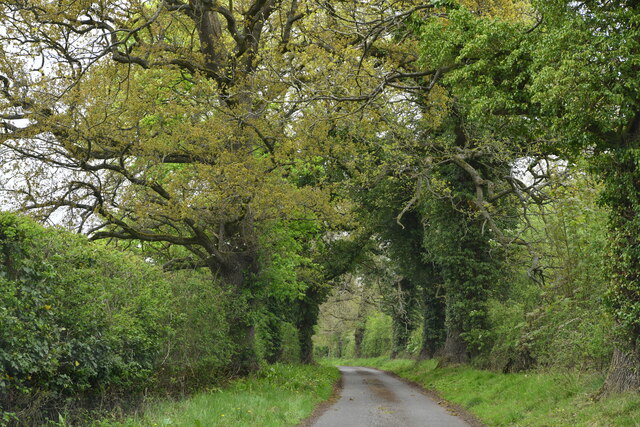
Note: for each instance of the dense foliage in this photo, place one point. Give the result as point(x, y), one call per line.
point(460, 177)
point(561, 323)
point(77, 319)
point(86, 326)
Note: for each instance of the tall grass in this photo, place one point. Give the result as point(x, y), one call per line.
point(279, 395)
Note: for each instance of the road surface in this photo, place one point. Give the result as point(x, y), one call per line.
point(373, 398)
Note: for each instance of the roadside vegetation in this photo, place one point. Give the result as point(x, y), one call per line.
point(91, 332)
point(524, 399)
point(547, 345)
point(277, 395)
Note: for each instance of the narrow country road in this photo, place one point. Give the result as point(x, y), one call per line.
point(373, 398)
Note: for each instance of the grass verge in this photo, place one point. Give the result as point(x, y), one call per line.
point(278, 395)
point(522, 399)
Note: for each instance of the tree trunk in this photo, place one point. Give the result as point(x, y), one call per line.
point(402, 316)
point(458, 306)
point(306, 345)
point(455, 348)
point(307, 318)
point(245, 359)
point(236, 276)
point(623, 373)
point(433, 328)
point(339, 346)
point(273, 344)
point(358, 337)
point(402, 329)
point(358, 334)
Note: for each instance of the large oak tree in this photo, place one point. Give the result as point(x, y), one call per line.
point(190, 124)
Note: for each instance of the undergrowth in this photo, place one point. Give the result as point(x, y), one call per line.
point(278, 395)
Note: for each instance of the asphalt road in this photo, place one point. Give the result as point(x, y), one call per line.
point(373, 398)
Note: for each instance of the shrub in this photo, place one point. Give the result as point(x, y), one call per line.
point(198, 351)
point(76, 319)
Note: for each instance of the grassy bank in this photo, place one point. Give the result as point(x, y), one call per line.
point(524, 399)
point(279, 395)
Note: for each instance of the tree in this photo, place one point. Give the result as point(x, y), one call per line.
point(410, 279)
point(454, 163)
point(468, 262)
point(566, 85)
point(585, 80)
point(159, 121)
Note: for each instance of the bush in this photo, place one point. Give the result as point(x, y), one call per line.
point(198, 350)
point(562, 323)
point(76, 319)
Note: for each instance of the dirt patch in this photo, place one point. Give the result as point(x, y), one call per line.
point(452, 408)
point(379, 389)
point(322, 408)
